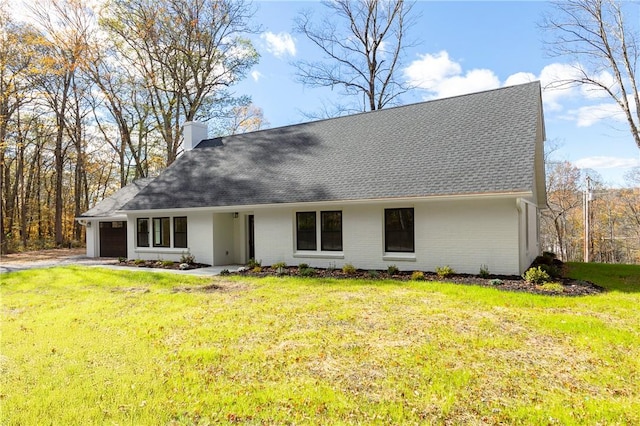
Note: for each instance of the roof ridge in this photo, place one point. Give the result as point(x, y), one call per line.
point(382, 110)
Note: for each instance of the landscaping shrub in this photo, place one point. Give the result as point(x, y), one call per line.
point(372, 274)
point(417, 276)
point(279, 265)
point(303, 266)
point(167, 263)
point(496, 281)
point(307, 272)
point(484, 271)
point(444, 271)
point(187, 258)
point(225, 272)
point(256, 269)
point(552, 270)
point(349, 269)
point(138, 262)
point(392, 270)
point(536, 275)
point(252, 263)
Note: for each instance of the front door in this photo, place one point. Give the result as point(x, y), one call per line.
point(250, 234)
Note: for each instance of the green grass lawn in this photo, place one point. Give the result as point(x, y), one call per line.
point(97, 346)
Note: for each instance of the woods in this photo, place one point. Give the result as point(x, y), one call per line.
point(91, 99)
point(614, 217)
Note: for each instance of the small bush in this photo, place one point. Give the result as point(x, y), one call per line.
point(138, 262)
point(252, 263)
point(417, 276)
point(372, 274)
point(484, 271)
point(256, 269)
point(549, 254)
point(303, 266)
point(444, 271)
point(187, 258)
point(551, 287)
point(279, 265)
point(543, 260)
point(496, 281)
point(392, 270)
point(552, 270)
point(307, 272)
point(122, 259)
point(225, 272)
point(349, 269)
point(166, 263)
point(536, 276)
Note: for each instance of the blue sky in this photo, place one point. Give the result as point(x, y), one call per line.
point(460, 47)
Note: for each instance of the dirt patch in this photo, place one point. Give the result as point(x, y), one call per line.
point(218, 286)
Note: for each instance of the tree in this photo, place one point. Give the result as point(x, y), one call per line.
point(17, 52)
point(187, 53)
point(563, 199)
point(604, 46)
point(245, 118)
point(361, 42)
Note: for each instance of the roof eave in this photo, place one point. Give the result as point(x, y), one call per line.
point(394, 200)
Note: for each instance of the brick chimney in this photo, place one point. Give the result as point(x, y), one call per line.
point(193, 133)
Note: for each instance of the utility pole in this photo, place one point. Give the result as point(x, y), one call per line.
point(587, 232)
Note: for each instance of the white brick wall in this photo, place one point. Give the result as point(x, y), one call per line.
point(461, 234)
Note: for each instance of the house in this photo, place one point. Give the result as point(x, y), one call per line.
point(106, 225)
point(457, 181)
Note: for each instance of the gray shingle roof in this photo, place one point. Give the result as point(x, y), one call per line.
point(110, 205)
point(477, 143)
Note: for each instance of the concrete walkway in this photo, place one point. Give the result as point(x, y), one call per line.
point(9, 266)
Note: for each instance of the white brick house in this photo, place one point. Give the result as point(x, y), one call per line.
point(456, 182)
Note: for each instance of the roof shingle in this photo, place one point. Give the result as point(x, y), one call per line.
point(476, 143)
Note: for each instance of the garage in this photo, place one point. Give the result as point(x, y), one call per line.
point(113, 239)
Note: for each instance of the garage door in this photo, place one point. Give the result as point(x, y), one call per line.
point(113, 239)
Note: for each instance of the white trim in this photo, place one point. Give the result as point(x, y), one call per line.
point(319, 254)
point(312, 204)
point(162, 250)
point(400, 257)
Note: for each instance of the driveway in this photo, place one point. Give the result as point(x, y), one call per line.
point(62, 257)
point(49, 258)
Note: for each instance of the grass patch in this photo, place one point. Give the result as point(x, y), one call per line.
point(95, 346)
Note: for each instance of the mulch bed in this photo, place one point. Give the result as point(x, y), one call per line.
point(571, 287)
point(161, 264)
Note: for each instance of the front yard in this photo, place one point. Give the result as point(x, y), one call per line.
point(97, 346)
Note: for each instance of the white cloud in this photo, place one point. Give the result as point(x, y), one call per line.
point(280, 44)
point(607, 163)
point(589, 115)
point(520, 78)
point(256, 75)
point(443, 77)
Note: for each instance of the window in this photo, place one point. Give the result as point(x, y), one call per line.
point(143, 232)
point(306, 231)
point(180, 232)
point(331, 231)
point(161, 232)
point(398, 230)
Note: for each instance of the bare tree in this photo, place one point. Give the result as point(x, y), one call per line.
point(362, 43)
point(188, 53)
point(604, 46)
point(64, 25)
point(17, 51)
